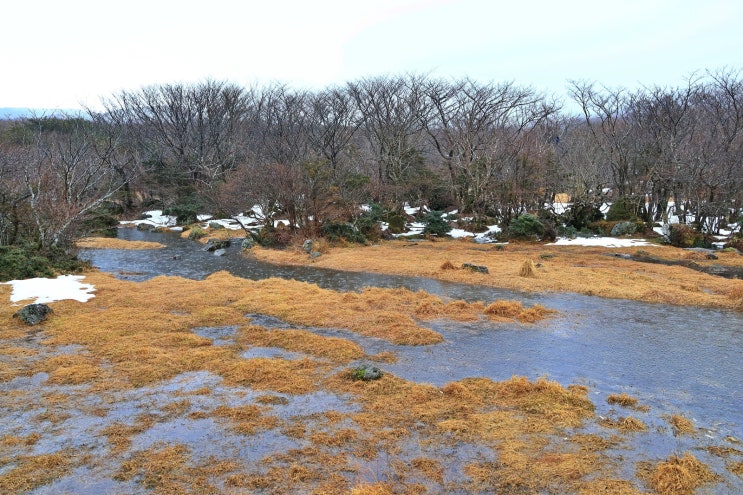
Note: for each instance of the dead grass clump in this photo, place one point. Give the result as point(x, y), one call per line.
point(161, 468)
point(609, 487)
point(627, 424)
point(448, 265)
point(563, 407)
point(114, 243)
point(119, 434)
point(279, 375)
point(246, 419)
point(332, 348)
point(528, 269)
point(623, 399)
point(384, 357)
point(71, 369)
point(430, 468)
point(515, 310)
point(33, 471)
point(373, 489)
point(677, 475)
point(681, 425)
point(735, 467)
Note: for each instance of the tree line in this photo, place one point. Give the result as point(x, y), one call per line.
point(490, 150)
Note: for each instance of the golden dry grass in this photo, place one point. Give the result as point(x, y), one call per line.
point(528, 269)
point(585, 270)
point(677, 475)
point(623, 399)
point(34, 471)
point(331, 348)
point(627, 424)
point(114, 243)
point(681, 425)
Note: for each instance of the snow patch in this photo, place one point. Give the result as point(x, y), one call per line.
point(609, 242)
point(45, 290)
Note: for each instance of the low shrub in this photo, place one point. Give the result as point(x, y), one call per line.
point(623, 228)
point(526, 226)
point(684, 236)
point(21, 262)
point(623, 209)
point(185, 214)
point(196, 233)
point(436, 224)
point(342, 231)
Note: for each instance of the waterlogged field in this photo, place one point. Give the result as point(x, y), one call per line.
point(228, 385)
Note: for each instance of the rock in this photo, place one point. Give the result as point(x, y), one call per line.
point(712, 256)
point(476, 268)
point(215, 244)
point(215, 225)
point(315, 254)
point(219, 252)
point(33, 314)
point(307, 246)
point(247, 244)
point(366, 372)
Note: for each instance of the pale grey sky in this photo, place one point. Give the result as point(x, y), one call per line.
point(65, 53)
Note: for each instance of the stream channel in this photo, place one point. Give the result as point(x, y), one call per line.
point(674, 359)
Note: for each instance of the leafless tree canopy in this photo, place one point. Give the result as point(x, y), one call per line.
point(487, 149)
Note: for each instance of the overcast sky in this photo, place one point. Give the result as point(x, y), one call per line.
point(67, 53)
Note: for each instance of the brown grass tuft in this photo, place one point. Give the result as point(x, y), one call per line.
point(114, 243)
point(332, 348)
point(678, 475)
point(448, 265)
point(627, 424)
point(623, 399)
point(34, 471)
point(373, 489)
point(528, 269)
point(735, 467)
point(681, 425)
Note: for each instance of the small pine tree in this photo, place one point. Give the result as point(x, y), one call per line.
point(436, 224)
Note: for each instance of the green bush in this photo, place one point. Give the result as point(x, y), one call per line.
point(101, 225)
point(621, 210)
point(196, 233)
point(185, 214)
point(436, 224)
point(526, 226)
point(342, 231)
point(623, 228)
point(684, 236)
point(21, 262)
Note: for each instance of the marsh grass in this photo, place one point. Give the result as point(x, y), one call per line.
point(628, 424)
point(332, 348)
point(681, 425)
point(114, 243)
point(31, 472)
point(676, 475)
point(585, 270)
point(528, 269)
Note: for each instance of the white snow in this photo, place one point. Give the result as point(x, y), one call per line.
point(459, 233)
point(45, 290)
point(156, 218)
point(609, 242)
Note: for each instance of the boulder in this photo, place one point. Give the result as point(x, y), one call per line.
point(219, 252)
point(476, 268)
point(215, 225)
point(366, 372)
point(215, 244)
point(247, 244)
point(307, 246)
point(33, 314)
point(315, 254)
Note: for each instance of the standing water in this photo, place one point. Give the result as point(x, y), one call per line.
point(675, 359)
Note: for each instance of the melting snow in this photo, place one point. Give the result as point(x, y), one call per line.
point(610, 242)
point(45, 290)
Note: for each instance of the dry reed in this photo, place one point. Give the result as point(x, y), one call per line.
point(594, 273)
point(114, 243)
point(677, 475)
point(623, 399)
point(681, 425)
point(528, 269)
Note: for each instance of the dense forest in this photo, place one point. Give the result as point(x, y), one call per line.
point(492, 151)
